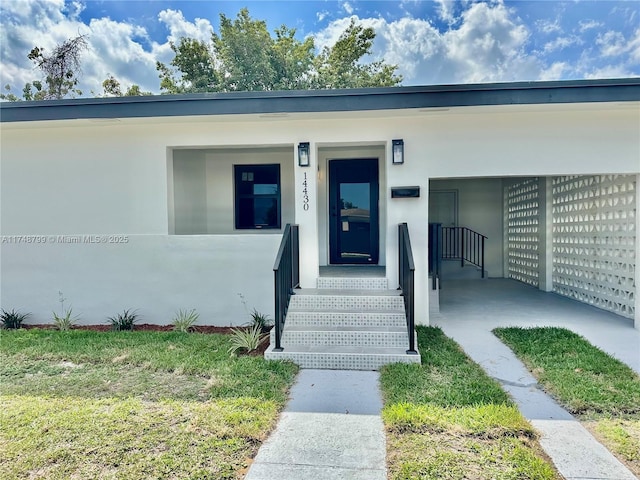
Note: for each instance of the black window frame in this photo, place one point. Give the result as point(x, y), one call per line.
point(238, 170)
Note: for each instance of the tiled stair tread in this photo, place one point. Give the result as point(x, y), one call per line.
point(342, 350)
point(346, 292)
point(305, 309)
point(353, 283)
point(364, 329)
point(347, 315)
point(336, 319)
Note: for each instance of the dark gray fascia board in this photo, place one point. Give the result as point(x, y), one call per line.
point(312, 101)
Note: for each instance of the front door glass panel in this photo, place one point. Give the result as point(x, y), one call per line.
point(355, 219)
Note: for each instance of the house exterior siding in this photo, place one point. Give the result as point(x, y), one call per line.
point(114, 179)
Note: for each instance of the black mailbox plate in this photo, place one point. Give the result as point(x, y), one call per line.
point(405, 192)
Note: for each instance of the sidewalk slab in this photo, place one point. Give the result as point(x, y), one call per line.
point(571, 446)
point(330, 429)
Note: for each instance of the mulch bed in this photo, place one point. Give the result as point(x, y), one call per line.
point(151, 327)
point(148, 327)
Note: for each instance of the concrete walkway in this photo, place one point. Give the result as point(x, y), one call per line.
point(331, 429)
point(471, 309)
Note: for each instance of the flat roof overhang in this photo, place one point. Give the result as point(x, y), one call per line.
point(321, 101)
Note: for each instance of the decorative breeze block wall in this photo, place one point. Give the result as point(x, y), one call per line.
point(594, 238)
point(522, 200)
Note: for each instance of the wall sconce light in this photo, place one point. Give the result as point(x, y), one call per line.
point(303, 154)
point(398, 151)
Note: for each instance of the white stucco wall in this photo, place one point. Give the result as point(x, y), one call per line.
point(153, 274)
point(80, 177)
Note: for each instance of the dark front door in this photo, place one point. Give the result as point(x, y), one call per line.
point(353, 210)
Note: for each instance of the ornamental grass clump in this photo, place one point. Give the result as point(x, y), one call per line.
point(66, 320)
point(12, 319)
point(123, 321)
point(246, 340)
point(184, 320)
point(261, 320)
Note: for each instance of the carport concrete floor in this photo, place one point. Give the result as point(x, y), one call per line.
point(470, 309)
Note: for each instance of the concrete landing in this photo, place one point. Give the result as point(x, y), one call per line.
point(331, 429)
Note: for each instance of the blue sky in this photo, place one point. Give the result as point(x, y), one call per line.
point(432, 42)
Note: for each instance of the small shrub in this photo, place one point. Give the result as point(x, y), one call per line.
point(261, 320)
point(184, 320)
point(12, 319)
point(124, 321)
point(66, 321)
point(246, 339)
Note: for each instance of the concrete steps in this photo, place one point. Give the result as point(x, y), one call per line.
point(346, 323)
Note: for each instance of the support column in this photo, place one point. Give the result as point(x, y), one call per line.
point(505, 228)
point(413, 211)
point(636, 317)
point(545, 234)
point(306, 216)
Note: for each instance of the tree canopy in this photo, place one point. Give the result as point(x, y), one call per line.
point(60, 71)
point(243, 56)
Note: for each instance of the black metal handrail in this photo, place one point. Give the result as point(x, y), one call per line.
point(462, 243)
point(435, 254)
point(406, 275)
point(286, 273)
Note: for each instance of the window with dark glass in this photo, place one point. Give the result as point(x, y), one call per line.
point(257, 190)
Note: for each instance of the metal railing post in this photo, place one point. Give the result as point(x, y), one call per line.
point(406, 274)
point(482, 267)
point(462, 247)
point(286, 277)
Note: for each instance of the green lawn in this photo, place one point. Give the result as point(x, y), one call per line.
point(133, 405)
point(601, 391)
point(446, 419)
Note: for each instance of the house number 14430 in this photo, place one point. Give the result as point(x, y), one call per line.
point(305, 193)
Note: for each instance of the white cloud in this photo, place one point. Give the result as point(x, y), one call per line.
point(112, 51)
point(611, 43)
point(201, 29)
point(446, 10)
point(555, 72)
point(322, 15)
point(615, 44)
point(547, 26)
point(610, 71)
point(561, 43)
point(589, 25)
point(486, 44)
point(347, 7)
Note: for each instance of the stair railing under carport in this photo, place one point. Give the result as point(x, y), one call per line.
point(406, 279)
point(462, 243)
point(286, 273)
